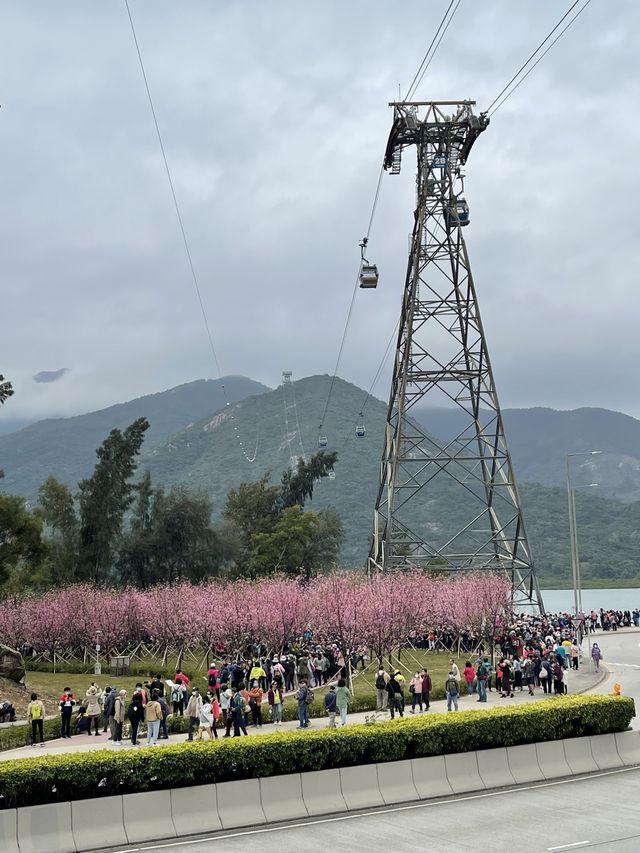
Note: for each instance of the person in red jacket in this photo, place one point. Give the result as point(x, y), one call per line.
point(426, 688)
point(184, 678)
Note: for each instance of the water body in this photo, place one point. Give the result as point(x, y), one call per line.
point(561, 600)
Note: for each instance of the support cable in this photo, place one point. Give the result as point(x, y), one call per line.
point(351, 304)
point(490, 109)
point(185, 241)
point(433, 47)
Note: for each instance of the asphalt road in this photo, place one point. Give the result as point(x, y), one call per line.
point(599, 812)
point(621, 655)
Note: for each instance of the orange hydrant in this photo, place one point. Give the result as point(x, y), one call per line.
point(617, 689)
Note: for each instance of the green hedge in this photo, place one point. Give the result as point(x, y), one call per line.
point(47, 779)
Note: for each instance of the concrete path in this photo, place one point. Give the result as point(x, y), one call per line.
point(586, 679)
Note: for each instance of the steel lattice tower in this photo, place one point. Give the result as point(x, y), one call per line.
point(442, 357)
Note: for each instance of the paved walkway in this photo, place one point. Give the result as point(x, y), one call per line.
point(586, 679)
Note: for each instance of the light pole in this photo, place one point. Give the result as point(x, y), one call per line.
point(573, 531)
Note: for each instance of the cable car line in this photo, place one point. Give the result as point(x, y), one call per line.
point(490, 109)
point(365, 240)
point(183, 232)
point(422, 71)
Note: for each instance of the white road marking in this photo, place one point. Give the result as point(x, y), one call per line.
point(567, 846)
point(430, 804)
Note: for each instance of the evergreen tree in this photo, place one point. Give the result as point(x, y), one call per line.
point(105, 497)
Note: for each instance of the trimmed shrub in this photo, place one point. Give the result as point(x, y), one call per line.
point(15, 736)
point(47, 779)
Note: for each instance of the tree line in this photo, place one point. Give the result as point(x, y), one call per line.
point(116, 529)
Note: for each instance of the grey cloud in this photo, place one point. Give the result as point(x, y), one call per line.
point(274, 118)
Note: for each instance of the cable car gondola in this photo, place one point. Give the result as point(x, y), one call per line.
point(368, 272)
point(332, 475)
point(360, 430)
point(322, 441)
point(458, 213)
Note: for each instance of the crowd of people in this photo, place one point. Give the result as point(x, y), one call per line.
point(530, 651)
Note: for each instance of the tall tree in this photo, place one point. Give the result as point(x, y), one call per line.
point(297, 484)
point(6, 389)
point(252, 508)
point(106, 496)
point(57, 510)
point(21, 546)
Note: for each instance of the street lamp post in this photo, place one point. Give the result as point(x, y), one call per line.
point(573, 532)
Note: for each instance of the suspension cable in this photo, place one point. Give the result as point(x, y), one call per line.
point(183, 232)
point(540, 58)
point(427, 59)
point(540, 46)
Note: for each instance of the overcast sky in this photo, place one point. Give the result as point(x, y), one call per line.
point(275, 117)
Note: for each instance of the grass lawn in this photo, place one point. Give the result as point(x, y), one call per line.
point(411, 661)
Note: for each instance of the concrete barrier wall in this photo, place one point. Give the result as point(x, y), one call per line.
point(138, 818)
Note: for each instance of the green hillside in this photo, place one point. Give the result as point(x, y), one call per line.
point(65, 447)
point(195, 440)
point(205, 456)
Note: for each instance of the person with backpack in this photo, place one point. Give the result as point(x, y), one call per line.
point(36, 715)
point(451, 688)
point(178, 692)
point(119, 711)
point(426, 688)
point(213, 679)
point(194, 709)
point(382, 697)
point(238, 712)
point(545, 675)
point(66, 710)
point(135, 713)
point(305, 698)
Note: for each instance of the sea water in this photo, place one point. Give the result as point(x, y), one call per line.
point(561, 600)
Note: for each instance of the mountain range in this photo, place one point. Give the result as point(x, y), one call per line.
point(198, 440)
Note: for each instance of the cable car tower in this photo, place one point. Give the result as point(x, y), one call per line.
point(442, 360)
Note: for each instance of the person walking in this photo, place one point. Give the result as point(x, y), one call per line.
point(36, 716)
point(575, 654)
point(153, 716)
point(415, 688)
point(382, 697)
point(330, 704)
point(135, 713)
point(426, 688)
point(452, 690)
point(343, 697)
point(275, 698)
point(469, 677)
point(396, 699)
point(66, 710)
point(482, 676)
point(104, 700)
point(194, 708)
point(255, 704)
point(305, 698)
point(119, 712)
point(164, 731)
point(94, 711)
point(596, 656)
point(545, 675)
point(178, 693)
point(238, 713)
point(109, 705)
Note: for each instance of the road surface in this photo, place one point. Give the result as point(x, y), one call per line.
point(600, 812)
